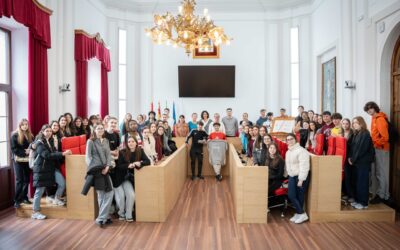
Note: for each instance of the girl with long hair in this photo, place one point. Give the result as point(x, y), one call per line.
point(20, 140)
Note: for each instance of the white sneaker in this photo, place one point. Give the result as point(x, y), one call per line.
point(354, 204)
point(294, 218)
point(38, 216)
point(50, 199)
point(359, 206)
point(58, 202)
point(302, 218)
point(351, 200)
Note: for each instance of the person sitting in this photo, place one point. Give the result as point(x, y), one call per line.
point(276, 168)
point(259, 150)
point(267, 139)
point(123, 127)
point(129, 158)
point(263, 117)
point(199, 137)
point(304, 133)
point(326, 128)
point(244, 137)
point(152, 118)
point(132, 130)
point(312, 137)
point(253, 134)
point(217, 135)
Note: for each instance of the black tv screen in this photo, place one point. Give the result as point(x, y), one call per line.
point(206, 81)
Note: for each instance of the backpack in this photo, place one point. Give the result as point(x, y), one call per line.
point(393, 134)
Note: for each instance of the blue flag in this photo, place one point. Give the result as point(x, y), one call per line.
point(173, 112)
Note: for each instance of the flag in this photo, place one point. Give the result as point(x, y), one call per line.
point(173, 112)
point(159, 112)
point(152, 106)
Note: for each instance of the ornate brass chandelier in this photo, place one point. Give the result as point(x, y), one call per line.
point(187, 30)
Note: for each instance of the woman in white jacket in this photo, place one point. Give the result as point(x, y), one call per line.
point(298, 168)
point(149, 145)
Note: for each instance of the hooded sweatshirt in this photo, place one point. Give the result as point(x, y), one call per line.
point(379, 131)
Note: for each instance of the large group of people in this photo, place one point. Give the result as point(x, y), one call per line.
point(113, 152)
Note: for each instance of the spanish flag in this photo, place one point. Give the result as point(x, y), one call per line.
point(159, 112)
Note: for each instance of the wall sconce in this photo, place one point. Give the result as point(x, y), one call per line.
point(64, 87)
point(349, 84)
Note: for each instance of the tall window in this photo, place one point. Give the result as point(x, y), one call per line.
point(5, 100)
point(294, 69)
point(122, 74)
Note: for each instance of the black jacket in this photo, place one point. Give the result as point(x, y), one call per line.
point(16, 148)
point(46, 161)
point(275, 170)
point(121, 171)
point(361, 150)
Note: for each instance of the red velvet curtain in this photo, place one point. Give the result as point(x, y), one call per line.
point(86, 48)
point(81, 87)
point(38, 22)
point(104, 91)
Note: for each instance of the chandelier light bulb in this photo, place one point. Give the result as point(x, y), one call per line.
point(175, 45)
point(200, 41)
point(180, 8)
point(205, 11)
point(228, 42)
point(208, 18)
point(185, 35)
point(216, 34)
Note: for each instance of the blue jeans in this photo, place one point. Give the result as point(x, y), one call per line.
point(60, 183)
point(296, 194)
point(36, 198)
point(362, 182)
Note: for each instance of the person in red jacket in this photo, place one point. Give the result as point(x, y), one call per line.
point(380, 139)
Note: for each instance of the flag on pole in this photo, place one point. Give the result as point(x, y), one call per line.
point(151, 106)
point(159, 112)
point(173, 112)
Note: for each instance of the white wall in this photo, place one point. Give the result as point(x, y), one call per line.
point(260, 52)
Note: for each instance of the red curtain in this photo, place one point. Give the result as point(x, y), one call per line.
point(86, 48)
point(104, 92)
point(37, 19)
point(81, 87)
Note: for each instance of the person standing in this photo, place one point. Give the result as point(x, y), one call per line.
point(181, 128)
point(380, 138)
point(193, 122)
point(98, 160)
point(45, 172)
point(20, 140)
point(199, 138)
point(298, 168)
point(360, 156)
point(263, 117)
point(216, 135)
point(230, 123)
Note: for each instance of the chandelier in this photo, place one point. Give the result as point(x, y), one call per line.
point(187, 30)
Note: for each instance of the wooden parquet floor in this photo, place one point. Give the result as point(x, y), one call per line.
point(203, 218)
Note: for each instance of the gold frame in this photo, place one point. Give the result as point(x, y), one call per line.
point(208, 55)
point(322, 85)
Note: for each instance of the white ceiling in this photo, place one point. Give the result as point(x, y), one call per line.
point(213, 6)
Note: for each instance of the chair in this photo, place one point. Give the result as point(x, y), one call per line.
point(341, 149)
point(331, 146)
point(82, 144)
point(319, 147)
point(280, 198)
point(70, 143)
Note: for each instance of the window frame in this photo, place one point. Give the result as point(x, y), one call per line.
point(7, 88)
point(294, 63)
point(119, 80)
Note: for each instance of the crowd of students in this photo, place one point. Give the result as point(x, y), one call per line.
point(113, 152)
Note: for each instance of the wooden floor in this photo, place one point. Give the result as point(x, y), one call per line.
point(202, 219)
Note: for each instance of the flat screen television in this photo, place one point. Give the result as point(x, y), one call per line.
point(206, 81)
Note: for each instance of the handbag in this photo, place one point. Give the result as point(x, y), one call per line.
point(21, 159)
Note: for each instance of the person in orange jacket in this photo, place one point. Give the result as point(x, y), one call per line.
point(380, 139)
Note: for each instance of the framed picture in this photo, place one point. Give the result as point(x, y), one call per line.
point(328, 96)
point(205, 53)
